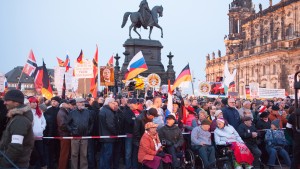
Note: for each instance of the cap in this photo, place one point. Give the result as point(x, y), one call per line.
point(56, 98)
point(275, 107)
point(153, 112)
point(218, 112)
point(72, 102)
point(150, 125)
point(132, 101)
point(65, 101)
point(171, 117)
point(205, 122)
point(79, 100)
point(264, 114)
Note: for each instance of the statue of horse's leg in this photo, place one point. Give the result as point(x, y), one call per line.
point(134, 29)
point(130, 27)
point(150, 32)
point(161, 30)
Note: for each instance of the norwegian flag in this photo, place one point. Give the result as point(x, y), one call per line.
point(30, 66)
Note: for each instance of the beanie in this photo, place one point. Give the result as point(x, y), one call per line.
point(14, 95)
point(56, 98)
point(276, 123)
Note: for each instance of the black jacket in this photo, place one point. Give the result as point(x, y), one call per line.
point(139, 127)
point(62, 120)
point(172, 135)
point(107, 123)
point(261, 124)
point(51, 122)
point(246, 133)
point(3, 118)
point(94, 117)
point(20, 124)
point(80, 122)
point(129, 118)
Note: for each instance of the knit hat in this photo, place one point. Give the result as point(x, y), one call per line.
point(264, 114)
point(80, 100)
point(218, 112)
point(205, 122)
point(275, 107)
point(14, 95)
point(73, 102)
point(221, 120)
point(37, 109)
point(276, 123)
point(150, 125)
point(153, 112)
point(56, 98)
point(133, 101)
point(171, 117)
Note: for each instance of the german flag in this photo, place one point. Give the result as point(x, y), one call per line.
point(184, 76)
point(80, 57)
point(42, 82)
point(94, 80)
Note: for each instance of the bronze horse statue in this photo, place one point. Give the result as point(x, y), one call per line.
point(137, 20)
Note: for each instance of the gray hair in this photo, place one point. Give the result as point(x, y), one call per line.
point(149, 103)
point(108, 100)
point(246, 102)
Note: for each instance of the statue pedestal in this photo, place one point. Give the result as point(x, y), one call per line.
point(151, 50)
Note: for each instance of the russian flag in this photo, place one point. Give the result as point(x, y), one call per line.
point(136, 66)
point(169, 110)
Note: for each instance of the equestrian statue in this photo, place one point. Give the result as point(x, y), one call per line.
point(144, 18)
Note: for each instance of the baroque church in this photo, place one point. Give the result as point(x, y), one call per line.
point(263, 46)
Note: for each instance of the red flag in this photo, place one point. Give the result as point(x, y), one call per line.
point(42, 82)
point(67, 63)
point(61, 63)
point(30, 66)
point(111, 61)
point(80, 57)
point(183, 114)
point(94, 80)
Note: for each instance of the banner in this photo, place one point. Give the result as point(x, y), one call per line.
point(107, 76)
point(84, 69)
point(2, 82)
point(254, 90)
point(271, 93)
point(154, 80)
point(247, 92)
point(71, 81)
point(211, 89)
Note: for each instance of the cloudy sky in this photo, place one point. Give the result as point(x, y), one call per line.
point(192, 28)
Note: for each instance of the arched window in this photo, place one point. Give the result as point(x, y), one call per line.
point(252, 71)
point(274, 69)
point(289, 31)
point(264, 70)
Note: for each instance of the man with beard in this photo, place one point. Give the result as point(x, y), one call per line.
point(18, 139)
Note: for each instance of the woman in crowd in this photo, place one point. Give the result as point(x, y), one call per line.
point(225, 134)
point(39, 125)
point(191, 120)
point(218, 114)
point(150, 151)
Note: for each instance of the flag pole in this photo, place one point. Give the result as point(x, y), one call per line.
point(84, 93)
point(20, 79)
point(193, 83)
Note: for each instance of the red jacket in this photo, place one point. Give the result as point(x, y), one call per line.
point(147, 147)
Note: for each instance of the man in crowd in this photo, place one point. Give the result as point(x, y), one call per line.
point(157, 103)
point(231, 114)
point(18, 139)
point(130, 113)
point(248, 133)
point(275, 115)
point(52, 145)
point(138, 131)
point(107, 127)
point(62, 128)
point(79, 124)
point(171, 136)
point(246, 106)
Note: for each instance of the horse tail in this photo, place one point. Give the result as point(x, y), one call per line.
point(125, 18)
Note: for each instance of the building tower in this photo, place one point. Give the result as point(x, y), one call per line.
point(238, 11)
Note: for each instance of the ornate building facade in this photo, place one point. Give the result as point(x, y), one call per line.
point(263, 46)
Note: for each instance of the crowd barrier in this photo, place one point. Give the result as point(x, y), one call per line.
point(106, 137)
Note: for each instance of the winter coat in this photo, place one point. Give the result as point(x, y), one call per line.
point(139, 127)
point(172, 135)
point(80, 122)
point(191, 122)
point(282, 120)
point(199, 135)
point(147, 149)
point(232, 116)
point(129, 118)
point(39, 124)
point(275, 138)
point(94, 117)
point(3, 118)
point(107, 123)
point(226, 135)
point(246, 133)
point(51, 128)
point(62, 122)
point(19, 128)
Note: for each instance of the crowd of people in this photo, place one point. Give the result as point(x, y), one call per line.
point(257, 131)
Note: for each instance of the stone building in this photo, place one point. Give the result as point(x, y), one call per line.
point(263, 46)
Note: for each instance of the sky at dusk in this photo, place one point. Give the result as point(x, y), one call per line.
point(192, 29)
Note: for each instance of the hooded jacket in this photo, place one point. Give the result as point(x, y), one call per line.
point(172, 135)
point(18, 139)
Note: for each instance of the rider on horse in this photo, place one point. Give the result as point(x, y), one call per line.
point(145, 13)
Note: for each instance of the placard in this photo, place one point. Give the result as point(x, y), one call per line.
point(71, 81)
point(107, 76)
point(2, 82)
point(271, 93)
point(154, 80)
point(254, 90)
point(84, 69)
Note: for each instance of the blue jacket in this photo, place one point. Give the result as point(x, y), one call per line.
point(232, 116)
point(227, 135)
